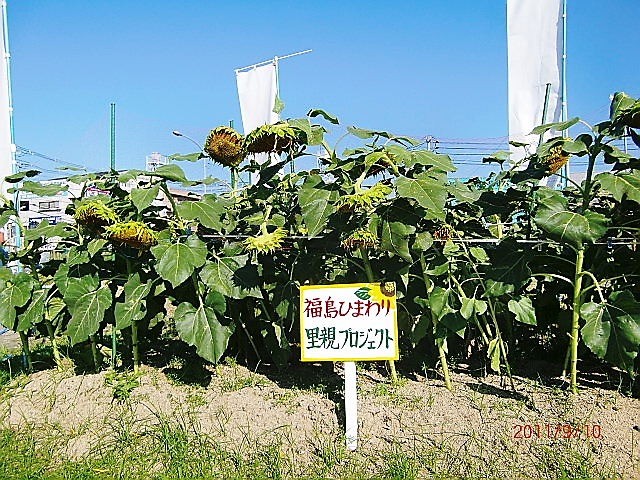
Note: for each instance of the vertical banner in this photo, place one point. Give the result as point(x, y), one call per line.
point(6, 144)
point(257, 91)
point(534, 44)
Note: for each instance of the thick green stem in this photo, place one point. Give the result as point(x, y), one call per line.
point(445, 365)
point(364, 255)
point(114, 347)
point(54, 344)
point(492, 314)
point(134, 346)
point(440, 343)
point(503, 349)
point(94, 352)
point(24, 339)
point(575, 319)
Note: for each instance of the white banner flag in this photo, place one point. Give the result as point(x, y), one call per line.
point(534, 43)
point(6, 144)
point(257, 90)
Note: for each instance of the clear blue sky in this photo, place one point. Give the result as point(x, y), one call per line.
point(413, 67)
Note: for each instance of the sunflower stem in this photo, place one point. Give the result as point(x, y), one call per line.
point(439, 343)
point(94, 353)
point(54, 344)
point(364, 255)
point(575, 319)
point(26, 353)
point(134, 346)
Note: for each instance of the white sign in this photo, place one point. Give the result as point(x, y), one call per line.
point(348, 322)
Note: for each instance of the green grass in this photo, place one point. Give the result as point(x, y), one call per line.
point(233, 378)
point(122, 384)
point(173, 445)
point(174, 448)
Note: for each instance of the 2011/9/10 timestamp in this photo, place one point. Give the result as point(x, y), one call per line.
point(559, 430)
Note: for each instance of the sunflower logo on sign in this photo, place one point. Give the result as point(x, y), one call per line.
point(380, 293)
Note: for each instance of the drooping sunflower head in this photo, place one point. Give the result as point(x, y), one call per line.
point(556, 159)
point(134, 234)
point(388, 288)
point(265, 242)
point(276, 137)
point(360, 238)
point(95, 214)
point(224, 145)
point(444, 233)
point(365, 198)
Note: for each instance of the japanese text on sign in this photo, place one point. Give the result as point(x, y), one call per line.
point(348, 322)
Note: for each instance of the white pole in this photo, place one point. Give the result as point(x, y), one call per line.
point(564, 112)
point(205, 175)
point(351, 405)
point(266, 62)
point(14, 166)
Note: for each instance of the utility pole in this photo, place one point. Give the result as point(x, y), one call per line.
point(113, 136)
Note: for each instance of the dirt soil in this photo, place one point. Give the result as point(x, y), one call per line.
point(304, 408)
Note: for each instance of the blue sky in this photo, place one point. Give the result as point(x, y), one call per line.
point(413, 67)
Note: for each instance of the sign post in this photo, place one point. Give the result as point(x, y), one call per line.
point(349, 323)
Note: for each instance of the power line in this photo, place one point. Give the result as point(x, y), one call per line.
point(26, 151)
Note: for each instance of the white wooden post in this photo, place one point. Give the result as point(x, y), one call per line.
point(351, 405)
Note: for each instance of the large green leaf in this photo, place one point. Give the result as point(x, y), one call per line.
point(34, 313)
point(314, 133)
point(364, 134)
point(87, 307)
point(464, 193)
point(75, 287)
point(509, 268)
point(316, 202)
point(410, 158)
point(15, 294)
point(171, 172)
point(471, 306)
point(134, 307)
point(200, 327)
point(207, 211)
point(612, 329)
point(17, 177)
point(142, 198)
point(621, 184)
point(555, 218)
point(190, 157)
point(429, 192)
point(557, 126)
point(77, 255)
point(42, 190)
point(324, 114)
point(95, 245)
point(395, 238)
point(445, 318)
point(422, 242)
point(523, 309)
point(177, 261)
point(232, 277)
point(46, 230)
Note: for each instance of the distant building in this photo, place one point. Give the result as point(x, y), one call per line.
point(34, 209)
point(156, 160)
